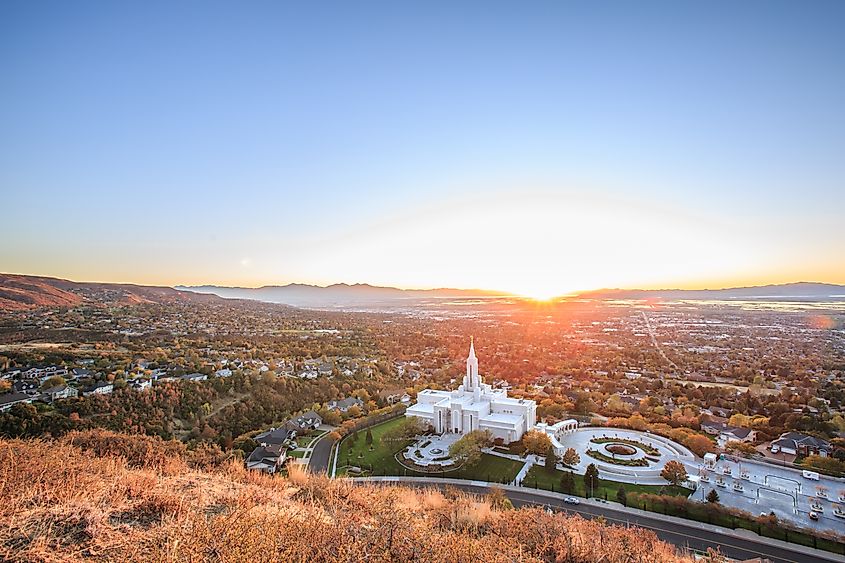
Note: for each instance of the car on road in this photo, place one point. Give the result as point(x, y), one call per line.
point(571, 500)
point(814, 515)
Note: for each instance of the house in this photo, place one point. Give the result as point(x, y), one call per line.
point(275, 436)
point(140, 384)
point(100, 388)
point(795, 443)
point(269, 458)
point(345, 404)
point(726, 433)
point(225, 372)
point(77, 373)
point(307, 421)
point(28, 386)
point(9, 400)
point(58, 392)
point(194, 377)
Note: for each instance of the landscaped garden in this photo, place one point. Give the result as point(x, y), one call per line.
point(650, 450)
point(379, 458)
point(637, 462)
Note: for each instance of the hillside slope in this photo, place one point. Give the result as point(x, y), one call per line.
point(19, 292)
point(61, 503)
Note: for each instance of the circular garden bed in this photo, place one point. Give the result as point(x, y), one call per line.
point(621, 449)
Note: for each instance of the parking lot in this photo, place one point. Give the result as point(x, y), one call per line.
point(762, 488)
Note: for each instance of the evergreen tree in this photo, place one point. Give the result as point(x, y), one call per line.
point(591, 479)
point(622, 496)
point(713, 496)
point(369, 437)
point(567, 482)
point(551, 458)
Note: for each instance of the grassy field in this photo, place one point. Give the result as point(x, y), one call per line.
point(540, 478)
point(381, 461)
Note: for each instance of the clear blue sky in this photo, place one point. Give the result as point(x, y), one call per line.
point(267, 142)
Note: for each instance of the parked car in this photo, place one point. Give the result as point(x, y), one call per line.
point(814, 515)
point(571, 500)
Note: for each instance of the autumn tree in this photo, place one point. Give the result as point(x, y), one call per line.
point(467, 450)
point(674, 472)
point(536, 442)
point(622, 495)
point(571, 457)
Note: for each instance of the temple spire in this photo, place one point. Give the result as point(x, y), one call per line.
point(471, 348)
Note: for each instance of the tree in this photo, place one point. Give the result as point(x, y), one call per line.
point(536, 442)
point(353, 437)
point(551, 458)
point(407, 429)
point(567, 482)
point(622, 495)
point(591, 479)
point(674, 472)
point(571, 457)
point(369, 437)
point(713, 496)
point(54, 381)
point(467, 450)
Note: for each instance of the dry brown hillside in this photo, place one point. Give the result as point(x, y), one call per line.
point(19, 292)
point(63, 503)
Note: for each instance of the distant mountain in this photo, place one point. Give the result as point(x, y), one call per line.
point(801, 291)
point(19, 292)
point(341, 294)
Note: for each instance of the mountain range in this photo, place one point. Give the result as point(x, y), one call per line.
point(22, 292)
point(304, 295)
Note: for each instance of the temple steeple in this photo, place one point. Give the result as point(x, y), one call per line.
point(472, 380)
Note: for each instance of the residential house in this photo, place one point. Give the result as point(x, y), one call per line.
point(795, 443)
point(59, 392)
point(194, 377)
point(269, 458)
point(308, 421)
point(275, 436)
point(8, 400)
point(28, 386)
point(99, 388)
point(225, 372)
point(141, 384)
point(345, 404)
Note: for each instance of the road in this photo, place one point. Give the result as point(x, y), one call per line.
point(692, 535)
point(319, 461)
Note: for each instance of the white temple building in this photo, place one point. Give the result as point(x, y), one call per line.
point(475, 406)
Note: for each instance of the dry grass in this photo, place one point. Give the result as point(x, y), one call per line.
point(61, 502)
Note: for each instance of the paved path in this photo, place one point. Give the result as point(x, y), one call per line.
point(677, 531)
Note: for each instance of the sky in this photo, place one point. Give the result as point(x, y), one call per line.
point(537, 147)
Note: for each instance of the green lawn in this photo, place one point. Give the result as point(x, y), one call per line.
point(381, 460)
point(296, 453)
point(541, 478)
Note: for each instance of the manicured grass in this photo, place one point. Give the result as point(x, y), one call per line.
point(541, 478)
point(296, 453)
point(381, 461)
point(381, 456)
